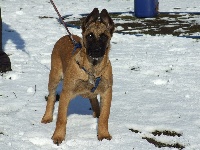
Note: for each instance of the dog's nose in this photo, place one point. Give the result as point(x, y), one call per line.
point(97, 49)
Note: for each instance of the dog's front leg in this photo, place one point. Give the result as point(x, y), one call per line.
point(60, 131)
point(104, 115)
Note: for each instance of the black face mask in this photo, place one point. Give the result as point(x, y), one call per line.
point(96, 47)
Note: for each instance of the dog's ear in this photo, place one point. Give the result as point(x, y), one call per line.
point(92, 17)
point(105, 18)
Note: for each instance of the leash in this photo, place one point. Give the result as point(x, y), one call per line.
point(76, 44)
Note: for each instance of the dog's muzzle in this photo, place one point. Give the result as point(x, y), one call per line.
point(96, 53)
point(96, 47)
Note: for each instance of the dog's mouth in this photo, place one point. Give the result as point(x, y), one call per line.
point(95, 61)
point(95, 56)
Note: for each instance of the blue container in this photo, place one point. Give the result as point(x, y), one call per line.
point(146, 8)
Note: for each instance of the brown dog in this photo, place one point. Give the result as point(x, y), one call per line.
point(85, 72)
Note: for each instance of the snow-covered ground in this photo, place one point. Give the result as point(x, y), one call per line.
point(156, 82)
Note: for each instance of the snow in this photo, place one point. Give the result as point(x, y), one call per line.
point(161, 93)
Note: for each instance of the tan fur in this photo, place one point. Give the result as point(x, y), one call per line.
point(77, 82)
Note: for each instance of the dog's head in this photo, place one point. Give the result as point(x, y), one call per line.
point(97, 33)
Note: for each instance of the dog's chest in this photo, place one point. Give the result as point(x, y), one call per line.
point(84, 87)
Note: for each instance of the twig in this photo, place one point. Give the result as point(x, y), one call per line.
point(15, 94)
point(35, 90)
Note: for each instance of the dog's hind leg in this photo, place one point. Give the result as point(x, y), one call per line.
point(54, 79)
point(95, 107)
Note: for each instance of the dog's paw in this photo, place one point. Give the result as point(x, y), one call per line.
point(95, 115)
point(57, 139)
point(46, 119)
point(106, 136)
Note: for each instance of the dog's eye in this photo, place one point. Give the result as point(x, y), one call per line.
point(103, 37)
point(90, 36)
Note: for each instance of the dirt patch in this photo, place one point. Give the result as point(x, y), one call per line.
point(135, 131)
point(172, 24)
point(167, 133)
point(176, 24)
point(159, 144)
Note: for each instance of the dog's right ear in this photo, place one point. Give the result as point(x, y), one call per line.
point(92, 17)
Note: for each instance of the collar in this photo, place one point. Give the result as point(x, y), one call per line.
point(76, 45)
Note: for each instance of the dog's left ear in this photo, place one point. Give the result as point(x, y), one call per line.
point(105, 19)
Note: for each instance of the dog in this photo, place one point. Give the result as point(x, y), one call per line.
point(86, 72)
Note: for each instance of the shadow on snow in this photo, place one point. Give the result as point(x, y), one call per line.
point(78, 105)
point(10, 34)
